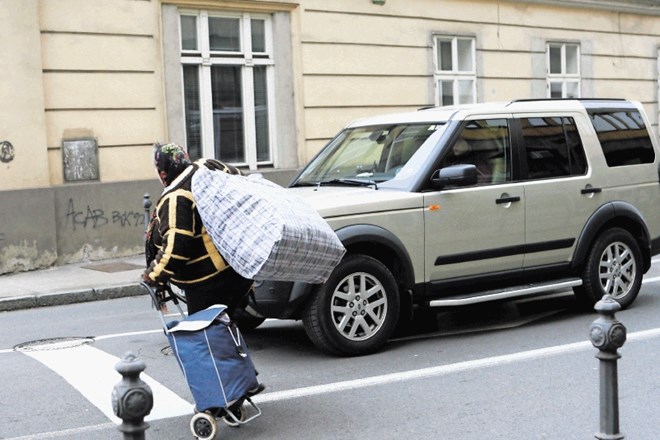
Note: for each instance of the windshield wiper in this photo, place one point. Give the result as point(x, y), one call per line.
point(305, 184)
point(350, 182)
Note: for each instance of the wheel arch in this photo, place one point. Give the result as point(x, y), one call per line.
point(383, 245)
point(614, 214)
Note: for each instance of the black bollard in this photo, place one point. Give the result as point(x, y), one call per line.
point(607, 335)
point(132, 398)
point(146, 203)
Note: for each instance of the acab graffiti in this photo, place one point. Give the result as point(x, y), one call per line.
point(96, 218)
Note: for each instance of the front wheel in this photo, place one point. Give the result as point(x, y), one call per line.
point(613, 267)
point(356, 310)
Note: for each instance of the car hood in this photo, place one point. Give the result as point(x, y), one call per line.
point(332, 201)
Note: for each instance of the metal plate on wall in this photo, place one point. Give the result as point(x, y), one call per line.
point(80, 160)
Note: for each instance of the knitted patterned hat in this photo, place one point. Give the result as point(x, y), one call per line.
point(172, 159)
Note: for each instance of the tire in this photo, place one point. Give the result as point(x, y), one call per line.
point(613, 267)
point(356, 310)
point(239, 413)
point(203, 426)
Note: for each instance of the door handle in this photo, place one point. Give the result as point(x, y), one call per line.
point(590, 190)
point(507, 199)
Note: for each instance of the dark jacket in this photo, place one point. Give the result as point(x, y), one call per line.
point(185, 255)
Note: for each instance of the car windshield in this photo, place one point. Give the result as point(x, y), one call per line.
point(366, 155)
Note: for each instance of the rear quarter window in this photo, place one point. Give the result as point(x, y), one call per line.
point(623, 137)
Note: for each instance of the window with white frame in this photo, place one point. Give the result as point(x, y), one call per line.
point(563, 61)
point(227, 66)
point(455, 73)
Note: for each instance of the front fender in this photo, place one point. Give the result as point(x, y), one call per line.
point(364, 237)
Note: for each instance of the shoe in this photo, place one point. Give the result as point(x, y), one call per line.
point(256, 390)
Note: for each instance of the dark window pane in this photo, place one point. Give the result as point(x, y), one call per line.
point(576, 157)
point(188, 32)
point(227, 113)
point(555, 59)
point(623, 137)
point(192, 111)
point(258, 35)
point(224, 34)
point(485, 144)
point(545, 148)
point(446, 92)
point(444, 55)
point(261, 113)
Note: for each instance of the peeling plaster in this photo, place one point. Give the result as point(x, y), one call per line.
point(24, 257)
point(89, 253)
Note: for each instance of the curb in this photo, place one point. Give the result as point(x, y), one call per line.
point(71, 297)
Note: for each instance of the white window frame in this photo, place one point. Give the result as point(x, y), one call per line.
point(564, 78)
point(206, 59)
point(454, 75)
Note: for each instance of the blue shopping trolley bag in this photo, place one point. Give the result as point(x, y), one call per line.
point(213, 357)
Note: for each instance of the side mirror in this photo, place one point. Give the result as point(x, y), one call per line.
point(455, 175)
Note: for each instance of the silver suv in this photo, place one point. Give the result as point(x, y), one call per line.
point(461, 205)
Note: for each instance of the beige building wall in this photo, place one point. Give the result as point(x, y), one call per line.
point(24, 162)
point(105, 70)
point(360, 59)
point(102, 79)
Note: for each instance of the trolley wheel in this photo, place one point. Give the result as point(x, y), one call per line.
point(239, 412)
point(203, 426)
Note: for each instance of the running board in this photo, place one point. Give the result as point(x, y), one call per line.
point(515, 292)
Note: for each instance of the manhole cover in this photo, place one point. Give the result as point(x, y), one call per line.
point(55, 343)
point(113, 267)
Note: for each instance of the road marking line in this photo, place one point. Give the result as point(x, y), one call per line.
point(92, 373)
point(121, 335)
point(441, 370)
point(650, 280)
point(369, 381)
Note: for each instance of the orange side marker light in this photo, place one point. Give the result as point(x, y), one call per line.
point(434, 207)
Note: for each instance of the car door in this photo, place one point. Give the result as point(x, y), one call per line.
point(560, 192)
point(476, 229)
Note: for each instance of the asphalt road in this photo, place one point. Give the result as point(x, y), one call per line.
point(517, 371)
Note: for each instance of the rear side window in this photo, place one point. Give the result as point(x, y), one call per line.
point(623, 137)
point(552, 147)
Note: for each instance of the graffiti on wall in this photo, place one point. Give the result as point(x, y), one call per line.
point(96, 218)
point(6, 152)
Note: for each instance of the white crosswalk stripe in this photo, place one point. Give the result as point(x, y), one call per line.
point(92, 372)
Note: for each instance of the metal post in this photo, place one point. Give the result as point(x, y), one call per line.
point(607, 335)
point(132, 398)
point(146, 203)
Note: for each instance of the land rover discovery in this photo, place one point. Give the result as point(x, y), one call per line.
point(450, 206)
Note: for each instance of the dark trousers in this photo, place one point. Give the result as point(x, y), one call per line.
point(228, 288)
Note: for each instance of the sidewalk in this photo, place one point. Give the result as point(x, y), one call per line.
point(72, 283)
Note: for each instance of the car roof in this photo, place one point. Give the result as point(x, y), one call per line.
point(459, 112)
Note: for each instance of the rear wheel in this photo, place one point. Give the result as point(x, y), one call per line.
point(356, 310)
point(613, 267)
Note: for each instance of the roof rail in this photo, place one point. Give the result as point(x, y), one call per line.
point(563, 99)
